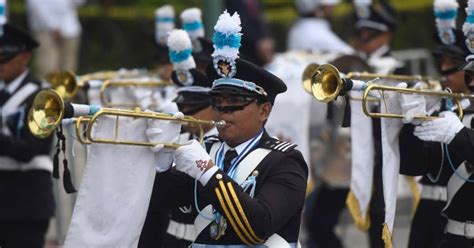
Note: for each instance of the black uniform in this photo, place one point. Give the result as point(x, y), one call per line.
point(276, 207)
point(419, 157)
point(27, 199)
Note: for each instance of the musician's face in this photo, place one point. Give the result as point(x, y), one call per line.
point(455, 79)
point(14, 67)
point(241, 125)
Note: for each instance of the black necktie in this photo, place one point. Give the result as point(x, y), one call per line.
point(229, 156)
point(4, 96)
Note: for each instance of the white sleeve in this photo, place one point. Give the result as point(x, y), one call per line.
point(44, 11)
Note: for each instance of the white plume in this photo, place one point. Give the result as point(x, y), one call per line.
point(191, 15)
point(228, 24)
point(178, 40)
point(165, 11)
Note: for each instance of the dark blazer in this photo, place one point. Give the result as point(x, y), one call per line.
point(25, 195)
point(276, 207)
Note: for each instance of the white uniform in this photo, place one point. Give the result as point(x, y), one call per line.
point(315, 34)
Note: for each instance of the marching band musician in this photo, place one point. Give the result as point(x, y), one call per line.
point(427, 228)
point(25, 166)
point(250, 188)
point(154, 228)
point(447, 142)
point(193, 100)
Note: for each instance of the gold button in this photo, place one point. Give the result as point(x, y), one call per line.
point(219, 176)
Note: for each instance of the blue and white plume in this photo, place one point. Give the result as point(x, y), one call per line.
point(362, 8)
point(468, 27)
point(164, 23)
point(227, 38)
point(192, 23)
point(180, 50)
point(446, 12)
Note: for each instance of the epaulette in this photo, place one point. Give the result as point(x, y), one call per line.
point(278, 145)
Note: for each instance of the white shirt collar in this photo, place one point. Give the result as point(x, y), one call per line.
point(240, 148)
point(13, 86)
point(380, 51)
point(211, 132)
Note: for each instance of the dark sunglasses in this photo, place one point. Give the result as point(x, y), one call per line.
point(235, 102)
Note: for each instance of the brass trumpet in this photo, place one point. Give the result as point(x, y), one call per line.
point(49, 110)
point(109, 84)
point(327, 84)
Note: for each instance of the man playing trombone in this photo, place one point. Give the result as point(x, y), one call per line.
point(446, 141)
point(250, 188)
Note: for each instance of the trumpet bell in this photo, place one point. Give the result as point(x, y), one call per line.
point(64, 82)
point(326, 83)
point(46, 113)
point(308, 75)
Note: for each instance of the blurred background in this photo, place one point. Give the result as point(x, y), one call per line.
point(119, 33)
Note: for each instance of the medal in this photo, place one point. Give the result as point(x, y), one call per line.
point(214, 231)
point(222, 226)
point(217, 230)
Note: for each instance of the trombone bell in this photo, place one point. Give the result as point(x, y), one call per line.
point(326, 83)
point(64, 82)
point(46, 113)
point(308, 75)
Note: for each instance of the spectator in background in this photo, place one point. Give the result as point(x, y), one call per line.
point(257, 43)
point(312, 31)
point(55, 24)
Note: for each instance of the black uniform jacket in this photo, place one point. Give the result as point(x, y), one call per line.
point(25, 195)
point(275, 208)
point(418, 157)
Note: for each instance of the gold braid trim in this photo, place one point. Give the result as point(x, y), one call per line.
point(242, 213)
point(353, 206)
point(387, 236)
point(226, 211)
point(234, 213)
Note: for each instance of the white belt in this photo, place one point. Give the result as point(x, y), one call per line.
point(181, 230)
point(465, 229)
point(433, 192)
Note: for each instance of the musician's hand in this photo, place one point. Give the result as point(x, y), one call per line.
point(163, 132)
point(193, 159)
point(442, 130)
point(412, 105)
point(143, 96)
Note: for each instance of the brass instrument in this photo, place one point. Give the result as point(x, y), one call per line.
point(329, 72)
point(67, 83)
point(49, 109)
point(108, 84)
point(327, 83)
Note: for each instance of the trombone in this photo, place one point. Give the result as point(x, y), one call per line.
point(49, 110)
point(67, 83)
point(326, 84)
point(328, 70)
point(109, 84)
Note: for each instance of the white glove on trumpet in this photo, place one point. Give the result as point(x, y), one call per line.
point(412, 105)
point(192, 159)
point(442, 130)
point(163, 132)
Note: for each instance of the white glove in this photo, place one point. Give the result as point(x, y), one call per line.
point(162, 132)
point(440, 130)
point(412, 105)
point(192, 159)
